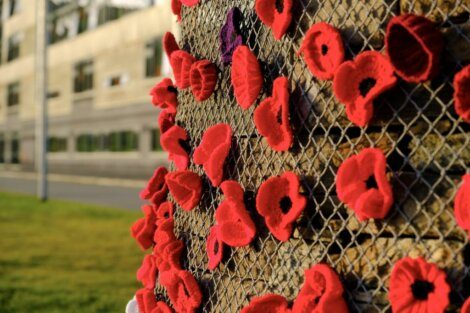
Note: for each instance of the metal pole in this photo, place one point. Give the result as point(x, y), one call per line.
point(41, 98)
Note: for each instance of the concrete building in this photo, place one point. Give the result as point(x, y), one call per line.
point(103, 58)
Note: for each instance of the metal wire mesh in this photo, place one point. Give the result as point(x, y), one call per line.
point(427, 148)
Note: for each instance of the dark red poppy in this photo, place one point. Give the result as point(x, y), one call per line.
point(236, 228)
point(246, 75)
point(146, 300)
point(230, 36)
point(269, 303)
point(418, 286)
point(147, 273)
point(166, 119)
point(171, 141)
point(185, 187)
point(181, 62)
point(462, 204)
point(144, 228)
point(362, 184)
point(214, 248)
point(164, 95)
point(162, 307)
point(203, 78)
point(322, 292)
point(156, 189)
point(322, 50)
point(182, 289)
point(275, 14)
point(462, 93)
point(414, 45)
point(176, 8)
point(466, 307)
point(213, 150)
point(169, 44)
point(272, 117)
point(164, 211)
point(280, 203)
point(190, 3)
point(167, 248)
point(358, 83)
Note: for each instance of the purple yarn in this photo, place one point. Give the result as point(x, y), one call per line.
point(229, 36)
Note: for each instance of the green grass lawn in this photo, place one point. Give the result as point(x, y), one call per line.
point(65, 257)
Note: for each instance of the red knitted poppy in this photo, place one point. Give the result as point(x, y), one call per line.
point(466, 307)
point(146, 300)
point(362, 184)
point(246, 75)
point(269, 303)
point(462, 93)
point(236, 228)
point(280, 203)
point(322, 50)
point(176, 8)
point(167, 248)
point(156, 189)
point(181, 62)
point(213, 150)
point(275, 14)
point(414, 45)
point(214, 248)
point(164, 211)
point(164, 95)
point(144, 228)
point(322, 292)
point(462, 204)
point(185, 187)
point(203, 78)
point(272, 117)
point(190, 3)
point(171, 141)
point(162, 307)
point(166, 119)
point(169, 44)
point(182, 289)
point(147, 273)
point(418, 286)
point(358, 83)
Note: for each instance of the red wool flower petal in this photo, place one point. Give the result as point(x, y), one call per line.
point(236, 228)
point(213, 150)
point(144, 228)
point(247, 78)
point(275, 14)
point(166, 119)
point(182, 289)
point(162, 307)
point(176, 8)
point(171, 141)
point(169, 44)
point(165, 211)
point(280, 203)
point(147, 273)
point(190, 3)
point(322, 292)
point(269, 303)
point(414, 45)
point(203, 78)
point(466, 307)
point(462, 204)
point(164, 95)
point(322, 50)
point(156, 189)
point(214, 248)
point(146, 300)
point(168, 256)
point(185, 187)
point(181, 62)
point(362, 184)
point(358, 83)
point(418, 286)
point(272, 117)
point(462, 93)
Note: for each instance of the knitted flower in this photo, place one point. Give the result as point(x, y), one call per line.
point(147, 273)
point(144, 228)
point(164, 95)
point(156, 189)
point(181, 62)
point(185, 187)
point(229, 36)
point(275, 14)
point(214, 247)
point(203, 78)
point(172, 141)
point(462, 93)
point(462, 204)
point(182, 289)
point(269, 303)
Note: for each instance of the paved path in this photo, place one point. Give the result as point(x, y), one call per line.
point(102, 191)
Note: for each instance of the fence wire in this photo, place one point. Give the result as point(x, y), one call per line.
point(426, 144)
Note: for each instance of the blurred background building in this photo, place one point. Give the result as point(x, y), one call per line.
point(103, 58)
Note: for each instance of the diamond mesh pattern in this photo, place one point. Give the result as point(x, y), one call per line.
point(427, 148)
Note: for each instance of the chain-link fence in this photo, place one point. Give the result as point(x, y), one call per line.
point(426, 144)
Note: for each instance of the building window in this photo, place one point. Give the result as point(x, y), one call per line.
point(121, 141)
point(14, 43)
point(110, 13)
point(2, 149)
point(15, 149)
point(57, 144)
point(82, 20)
point(13, 94)
point(155, 140)
point(14, 7)
point(153, 62)
point(83, 76)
